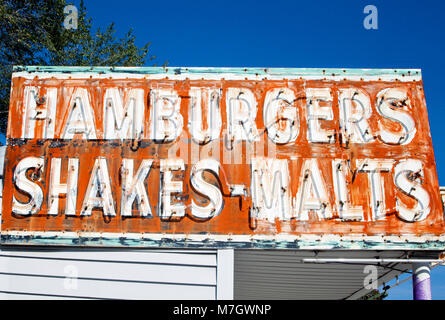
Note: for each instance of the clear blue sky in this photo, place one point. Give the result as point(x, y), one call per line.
point(319, 34)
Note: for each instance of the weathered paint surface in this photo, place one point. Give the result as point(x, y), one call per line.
point(214, 157)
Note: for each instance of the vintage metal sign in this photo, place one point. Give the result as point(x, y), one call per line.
point(220, 157)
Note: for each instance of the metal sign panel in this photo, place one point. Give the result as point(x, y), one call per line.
point(220, 157)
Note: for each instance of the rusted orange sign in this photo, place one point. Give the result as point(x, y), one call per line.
point(211, 157)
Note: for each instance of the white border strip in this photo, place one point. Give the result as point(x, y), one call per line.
point(228, 238)
point(206, 76)
point(225, 274)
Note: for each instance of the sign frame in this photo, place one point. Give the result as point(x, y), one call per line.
point(413, 239)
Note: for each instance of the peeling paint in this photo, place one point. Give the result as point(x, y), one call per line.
point(220, 157)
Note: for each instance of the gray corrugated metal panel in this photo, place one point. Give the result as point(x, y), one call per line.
point(301, 268)
point(298, 274)
point(291, 287)
point(108, 274)
point(257, 294)
point(327, 278)
point(305, 290)
point(298, 280)
point(292, 265)
point(284, 297)
point(281, 275)
point(286, 255)
point(316, 274)
point(337, 295)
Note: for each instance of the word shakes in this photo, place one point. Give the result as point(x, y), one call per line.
point(271, 192)
point(224, 152)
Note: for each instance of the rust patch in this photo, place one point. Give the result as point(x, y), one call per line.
point(235, 177)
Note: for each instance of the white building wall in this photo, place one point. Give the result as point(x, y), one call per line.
point(110, 274)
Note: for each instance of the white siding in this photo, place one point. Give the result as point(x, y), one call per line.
point(107, 274)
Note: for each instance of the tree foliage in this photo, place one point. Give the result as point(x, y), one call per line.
point(33, 33)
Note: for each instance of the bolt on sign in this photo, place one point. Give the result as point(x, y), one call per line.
point(220, 157)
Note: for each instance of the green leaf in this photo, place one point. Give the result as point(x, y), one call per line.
point(32, 33)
